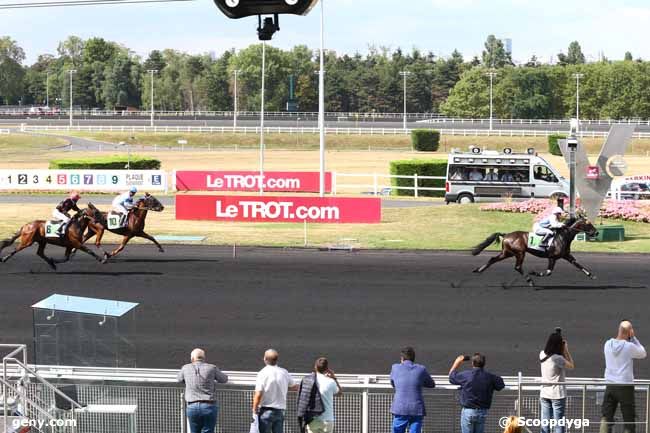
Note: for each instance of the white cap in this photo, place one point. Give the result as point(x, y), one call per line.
point(558, 210)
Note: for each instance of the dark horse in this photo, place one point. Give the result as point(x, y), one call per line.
point(134, 227)
point(34, 233)
point(515, 245)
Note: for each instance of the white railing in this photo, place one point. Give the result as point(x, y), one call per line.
point(314, 130)
point(381, 183)
point(4, 131)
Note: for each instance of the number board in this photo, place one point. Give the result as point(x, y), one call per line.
point(82, 180)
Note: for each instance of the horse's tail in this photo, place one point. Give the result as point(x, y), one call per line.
point(5, 243)
point(493, 238)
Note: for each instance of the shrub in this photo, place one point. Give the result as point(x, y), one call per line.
point(553, 146)
point(106, 163)
point(421, 167)
point(425, 140)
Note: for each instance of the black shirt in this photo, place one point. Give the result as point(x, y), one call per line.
point(67, 205)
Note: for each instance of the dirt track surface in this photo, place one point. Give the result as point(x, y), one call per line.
point(357, 308)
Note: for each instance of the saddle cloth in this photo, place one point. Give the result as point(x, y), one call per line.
point(52, 228)
point(535, 241)
point(114, 220)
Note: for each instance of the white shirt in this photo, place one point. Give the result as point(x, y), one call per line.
point(123, 199)
point(274, 382)
point(553, 370)
point(619, 356)
point(328, 389)
point(475, 175)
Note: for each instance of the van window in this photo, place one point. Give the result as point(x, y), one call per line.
point(543, 173)
point(489, 173)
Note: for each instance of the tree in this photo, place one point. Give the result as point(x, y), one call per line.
point(533, 62)
point(495, 54)
point(11, 70)
point(574, 55)
point(71, 50)
point(220, 97)
point(155, 61)
point(628, 56)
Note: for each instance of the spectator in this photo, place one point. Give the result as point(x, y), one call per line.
point(620, 353)
point(457, 175)
point(475, 174)
point(507, 177)
point(200, 381)
point(476, 389)
point(492, 175)
point(408, 379)
point(316, 399)
point(270, 398)
point(554, 360)
point(512, 425)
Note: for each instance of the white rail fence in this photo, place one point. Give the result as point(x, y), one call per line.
point(4, 131)
point(381, 184)
point(363, 408)
point(313, 130)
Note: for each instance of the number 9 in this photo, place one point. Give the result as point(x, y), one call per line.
point(114, 179)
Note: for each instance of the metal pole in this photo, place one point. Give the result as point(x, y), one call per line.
point(47, 90)
point(152, 71)
point(405, 74)
point(572, 178)
point(71, 71)
point(321, 101)
point(262, 118)
point(491, 74)
point(578, 76)
point(234, 124)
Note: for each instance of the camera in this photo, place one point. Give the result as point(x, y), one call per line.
point(466, 358)
point(245, 8)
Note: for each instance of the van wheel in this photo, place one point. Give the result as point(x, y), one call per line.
point(465, 199)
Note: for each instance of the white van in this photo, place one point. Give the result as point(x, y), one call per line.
point(491, 175)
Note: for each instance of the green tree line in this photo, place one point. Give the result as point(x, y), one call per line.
point(110, 75)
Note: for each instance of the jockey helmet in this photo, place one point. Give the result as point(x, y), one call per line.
point(133, 190)
point(558, 210)
point(74, 195)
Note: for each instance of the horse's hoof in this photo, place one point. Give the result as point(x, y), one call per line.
point(593, 277)
point(160, 250)
point(477, 271)
point(504, 286)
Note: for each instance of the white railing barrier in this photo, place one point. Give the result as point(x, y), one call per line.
point(4, 131)
point(378, 188)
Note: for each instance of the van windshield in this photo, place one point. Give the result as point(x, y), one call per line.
point(543, 173)
point(489, 174)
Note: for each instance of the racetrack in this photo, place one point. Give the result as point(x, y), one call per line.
point(356, 308)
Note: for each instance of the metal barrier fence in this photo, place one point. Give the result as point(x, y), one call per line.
point(381, 184)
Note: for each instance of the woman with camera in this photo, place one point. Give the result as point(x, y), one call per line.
point(555, 359)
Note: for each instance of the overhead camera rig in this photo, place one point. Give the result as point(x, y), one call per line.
point(266, 27)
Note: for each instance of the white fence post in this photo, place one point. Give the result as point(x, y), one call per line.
point(415, 184)
point(374, 183)
point(334, 183)
point(365, 408)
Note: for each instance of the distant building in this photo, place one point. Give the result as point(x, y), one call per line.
point(507, 44)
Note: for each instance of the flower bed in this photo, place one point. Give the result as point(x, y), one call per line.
point(627, 210)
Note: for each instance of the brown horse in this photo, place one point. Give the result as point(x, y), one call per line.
point(515, 245)
point(34, 233)
point(134, 227)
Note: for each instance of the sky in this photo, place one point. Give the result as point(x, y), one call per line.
point(541, 28)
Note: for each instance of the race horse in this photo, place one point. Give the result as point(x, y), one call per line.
point(515, 245)
point(73, 239)
point(134, 226)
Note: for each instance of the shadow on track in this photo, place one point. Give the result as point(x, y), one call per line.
point(101, 273)
point(164, 261)
point(605, 287)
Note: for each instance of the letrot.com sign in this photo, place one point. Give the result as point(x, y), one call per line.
point(278, 181)
point(82, 180)
point(278, 209)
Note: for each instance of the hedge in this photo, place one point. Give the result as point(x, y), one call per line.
point(425, 140)
point(553, 146)
point(106, 163)
point(421, 167)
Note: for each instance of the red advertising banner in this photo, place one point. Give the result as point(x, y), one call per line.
point(278, 209)
point(272, 181)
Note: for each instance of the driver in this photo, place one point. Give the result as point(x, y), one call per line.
point(545, 226)
point(124, 202)
point(60, 213)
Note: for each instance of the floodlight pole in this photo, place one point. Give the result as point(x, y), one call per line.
point(71, 72)
point(47, 90)
point(262, 118)
point(578, 76)
point(234, 123)
point(321, 102)
point(572, 145)
point(151, 72)
point(491, 74)
point(405, 74)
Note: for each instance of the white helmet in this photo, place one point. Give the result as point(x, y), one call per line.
point(558, 210)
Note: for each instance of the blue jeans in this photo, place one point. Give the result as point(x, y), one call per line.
point(401, 422)
point(202, 417)
point(271, 420)
point(552, 409)
point(472, 420)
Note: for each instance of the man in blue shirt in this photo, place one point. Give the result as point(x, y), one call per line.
point(476, 389)
point(408, 379)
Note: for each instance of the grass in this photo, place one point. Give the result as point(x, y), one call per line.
point(441, 228)
point(23, 143)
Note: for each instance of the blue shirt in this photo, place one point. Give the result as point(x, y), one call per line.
point(408, 379)
point(476, 387)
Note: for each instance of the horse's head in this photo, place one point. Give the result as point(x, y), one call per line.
point(583, 225)
point(150, 202)
point(92, 213)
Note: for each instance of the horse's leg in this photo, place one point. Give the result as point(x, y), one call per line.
point(68, 252)
point(569, 258)
point(116, 251)
point(41, 253)
point(519, 267)
point(501, 256)
point(152, 239)
point(76, 245)
point(549, 269)
point(27, 240)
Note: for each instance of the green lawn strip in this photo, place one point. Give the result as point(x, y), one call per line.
point(21, 143)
